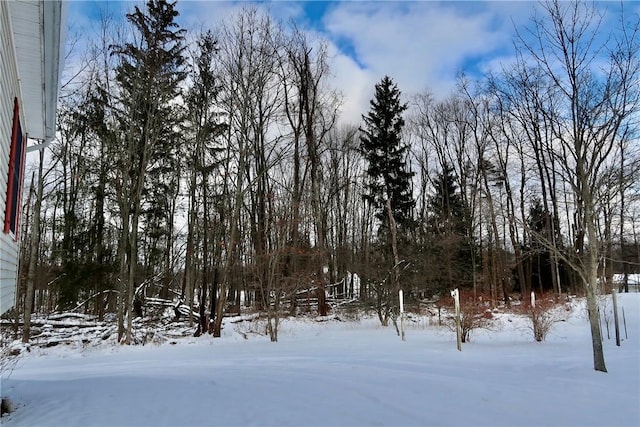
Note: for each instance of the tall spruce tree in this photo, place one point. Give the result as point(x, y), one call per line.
point(388, 187)
point(389, 179)
point(149, 73)
point(203, 154)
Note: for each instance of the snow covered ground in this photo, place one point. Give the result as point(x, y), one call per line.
point(338, 373)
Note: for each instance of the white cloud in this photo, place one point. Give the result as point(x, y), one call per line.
point(354, 83)
point(197, 14)
point(421, 45)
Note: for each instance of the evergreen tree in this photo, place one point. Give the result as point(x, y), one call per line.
point(388, 187)
point(448, 212)
point(149, 74)
point(202, 128)
point(539, 268)
point(450, 248)
point(382, 146)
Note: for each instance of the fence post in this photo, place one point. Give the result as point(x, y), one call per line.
point(533, 299)
point(456, 298)
point(400, 294)
point(615, 315)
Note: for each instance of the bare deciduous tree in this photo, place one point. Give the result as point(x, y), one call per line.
point(587, 105)
point(248, 61)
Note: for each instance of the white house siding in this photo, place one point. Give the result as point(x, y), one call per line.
point(9, 90)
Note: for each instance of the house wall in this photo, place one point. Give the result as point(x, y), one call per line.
point(9, 90)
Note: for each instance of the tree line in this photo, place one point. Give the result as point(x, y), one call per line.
point(207, 171)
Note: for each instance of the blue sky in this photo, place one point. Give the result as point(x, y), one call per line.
point(422, 45)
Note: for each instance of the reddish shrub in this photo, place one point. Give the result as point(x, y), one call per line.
point(546, 312)
point(474, 313)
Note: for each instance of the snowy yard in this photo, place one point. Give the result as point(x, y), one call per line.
point(338, 373)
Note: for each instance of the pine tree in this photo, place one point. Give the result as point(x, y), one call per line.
point(543, 227)
point(451, 247)
point(388, 186)
point(448, 212)
point(382, 146)
point(149, 74)
point(203, 155)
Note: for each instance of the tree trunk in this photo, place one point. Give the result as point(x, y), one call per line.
point(34, 242)
point(592, 286)
point(232, 245)
point(122, 261)
point(596, 332)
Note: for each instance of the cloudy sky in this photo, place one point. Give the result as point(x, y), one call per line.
point(422, 45)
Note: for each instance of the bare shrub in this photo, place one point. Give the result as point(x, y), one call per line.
point(474, 314)
point(10, 354)
point(543, 315)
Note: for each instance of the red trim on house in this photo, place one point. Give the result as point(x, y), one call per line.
point(13, 197)
point(18, 202)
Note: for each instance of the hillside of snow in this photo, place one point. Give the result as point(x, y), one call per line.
point(338, 373)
